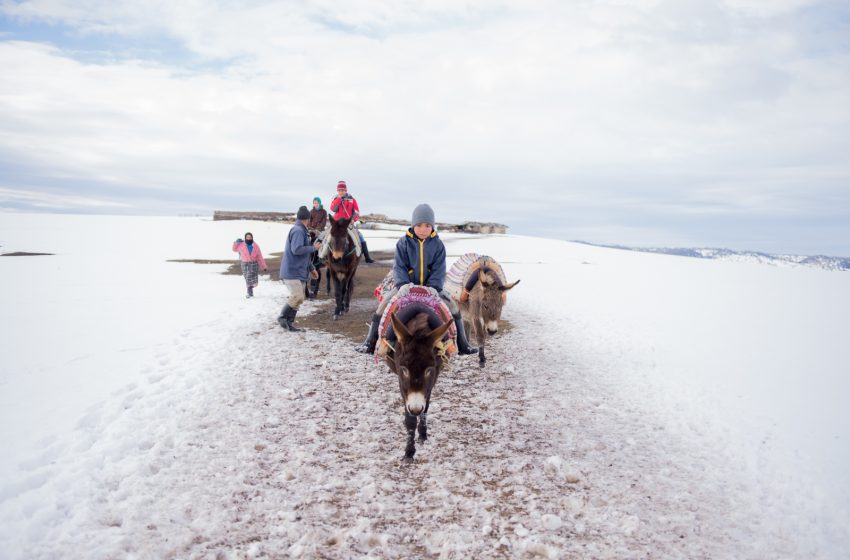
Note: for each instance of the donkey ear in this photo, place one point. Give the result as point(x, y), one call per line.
point(507, 287)
point(401, 331)
point(331, 219)
point(437, 334)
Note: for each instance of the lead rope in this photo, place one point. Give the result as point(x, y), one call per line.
point(442, 351)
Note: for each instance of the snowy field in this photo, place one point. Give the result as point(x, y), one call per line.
point(643, 406)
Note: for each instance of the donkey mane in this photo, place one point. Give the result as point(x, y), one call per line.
point(418, 326)
point(488, 278)
point(414, 351)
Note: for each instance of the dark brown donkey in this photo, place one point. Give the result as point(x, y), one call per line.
point(417, 362)
point(482, 311)
point(342, 261)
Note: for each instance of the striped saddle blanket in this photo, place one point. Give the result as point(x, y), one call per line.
point(406, 304)
point(463, 274)
point(385, 287)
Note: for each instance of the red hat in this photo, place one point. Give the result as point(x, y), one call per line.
point(341, 185)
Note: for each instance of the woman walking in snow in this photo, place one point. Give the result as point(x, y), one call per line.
point(252, 260)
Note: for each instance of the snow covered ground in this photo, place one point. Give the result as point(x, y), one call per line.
point(642, 406)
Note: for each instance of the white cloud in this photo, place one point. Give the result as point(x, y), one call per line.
point(38, 200)
point(704, 101)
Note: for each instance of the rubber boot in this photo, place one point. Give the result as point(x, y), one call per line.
point(291, 322)
point(283, 318)
point(366, 252)
point(368, 346)
point(463, 347)
point(250, 291)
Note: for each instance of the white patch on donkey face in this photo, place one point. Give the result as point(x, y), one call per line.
point(492, 326)
point(415, 403)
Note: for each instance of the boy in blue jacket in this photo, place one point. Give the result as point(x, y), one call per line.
point(420, 259)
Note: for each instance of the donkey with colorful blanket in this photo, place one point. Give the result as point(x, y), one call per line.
point(416, 341)
point(479, 286)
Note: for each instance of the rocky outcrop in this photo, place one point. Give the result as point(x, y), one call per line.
point(261, 216)
point(465, 227)
point(486, 228)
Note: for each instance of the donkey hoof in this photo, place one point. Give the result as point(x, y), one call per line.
point(336, 317)
point(406, 460)
point(421, 439)
point(481, 364)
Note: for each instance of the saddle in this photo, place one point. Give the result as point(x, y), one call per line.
point(326, 243)
point(406, 304)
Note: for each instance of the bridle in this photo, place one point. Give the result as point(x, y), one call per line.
point(348, 241)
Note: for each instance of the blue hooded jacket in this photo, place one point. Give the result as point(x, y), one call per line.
point(297, 262)
point(420, 262)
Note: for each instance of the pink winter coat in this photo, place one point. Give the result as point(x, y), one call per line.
point(255, 255)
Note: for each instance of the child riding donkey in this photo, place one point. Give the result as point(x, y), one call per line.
point(344, 206)
point(420, 259)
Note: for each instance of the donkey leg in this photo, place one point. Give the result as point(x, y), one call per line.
point(348, 293)
point(410, 424)
point(313, 285)
point(423, 428)
point(337, 298)
point(480, 336)
point(328, 277)
point(344, 286)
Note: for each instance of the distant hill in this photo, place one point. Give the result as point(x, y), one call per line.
point(816, 261)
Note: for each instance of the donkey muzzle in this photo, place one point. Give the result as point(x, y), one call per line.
point(492, 327)
point(415, 403)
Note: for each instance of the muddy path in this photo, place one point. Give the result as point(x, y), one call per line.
point(353, 325)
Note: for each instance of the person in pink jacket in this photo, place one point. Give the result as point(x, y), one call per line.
point(252, 260)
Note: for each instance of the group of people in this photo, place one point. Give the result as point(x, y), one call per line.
point(420, 259)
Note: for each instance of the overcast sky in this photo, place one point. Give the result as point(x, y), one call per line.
point(660, 123)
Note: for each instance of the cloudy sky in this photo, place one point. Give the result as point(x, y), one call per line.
point(641, 122)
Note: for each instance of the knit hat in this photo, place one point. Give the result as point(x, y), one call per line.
point(422, 214)
point(303, 213)
point(341, 185)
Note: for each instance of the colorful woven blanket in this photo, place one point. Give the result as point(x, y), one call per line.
point(407, 303)
point(385, 287)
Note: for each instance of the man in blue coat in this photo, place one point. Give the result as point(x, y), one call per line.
point(420, 259)
point(295, 267)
